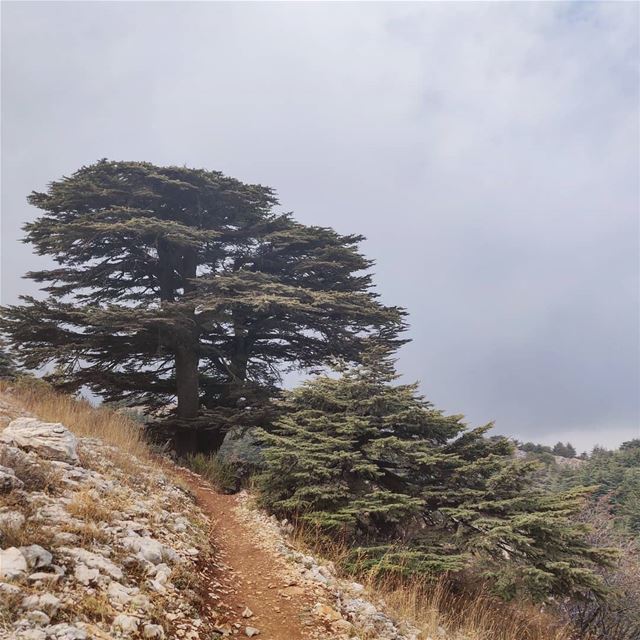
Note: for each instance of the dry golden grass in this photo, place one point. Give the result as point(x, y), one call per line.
point(474, 616)
point(87, 506)
point(29, 533)
point(79, 415)
point(209, 466)
point(95, 608)
point(9, 603)
point(88, 533)
point(433, 606)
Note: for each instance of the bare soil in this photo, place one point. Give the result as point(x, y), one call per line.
point(243, 576)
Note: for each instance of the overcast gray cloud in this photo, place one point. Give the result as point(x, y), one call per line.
point(489, 152)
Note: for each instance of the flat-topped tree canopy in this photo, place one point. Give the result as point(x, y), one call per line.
point(184, 284)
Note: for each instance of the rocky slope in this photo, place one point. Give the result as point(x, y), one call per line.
point(92, 547)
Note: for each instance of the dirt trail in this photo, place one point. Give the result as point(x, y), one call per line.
point(245, 576)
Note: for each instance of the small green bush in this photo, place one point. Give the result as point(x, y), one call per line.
point(209, 466)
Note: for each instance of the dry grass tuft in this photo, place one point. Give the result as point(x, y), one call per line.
point(94, 608)
point(36, 476)
point(88, 533)
point(467, 613)
point(86, 505)
point(31, 532)
point(84, 419)
point(184, 576)
point(9, 603)
point(136, 570)
point(471, 616)
point(210, 467)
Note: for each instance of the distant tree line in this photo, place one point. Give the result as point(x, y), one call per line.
point(559, 449)
point(616, 476)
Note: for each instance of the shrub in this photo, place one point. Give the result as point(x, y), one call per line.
point(209, 466)
point(415, 491)
point(616, 617)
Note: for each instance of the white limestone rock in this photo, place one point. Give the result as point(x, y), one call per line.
point(36, 556)
point(7, 589)
point(43, 576)
point(153, 631)
point(54, 513)
point(356, 587)
point(8, 480)
point(141, 602)
point(126, 625)
point(46, 602)
point(12, 563)
point(179, 525)
point(84, 575)
point(38, 618)
point(119, 595)
point(48, 439)
point(93, 561)
point(162, 573)
point(49, 603)
point(156, 585)
point(149, 549)
point(64, 631)
point(30, 602)
point(64, 538)
point(31, 634)
point(11, 521)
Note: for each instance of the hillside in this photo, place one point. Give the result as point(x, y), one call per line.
point(96, 542)
point(102, 540)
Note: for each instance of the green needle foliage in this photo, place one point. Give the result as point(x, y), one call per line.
point(184, 284)
point(616, 475)
point(412, 490)
point(8, 369)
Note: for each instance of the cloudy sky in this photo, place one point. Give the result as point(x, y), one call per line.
point(489, 152)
